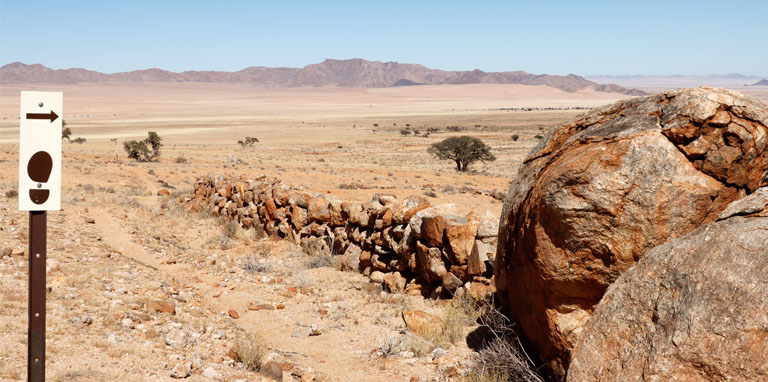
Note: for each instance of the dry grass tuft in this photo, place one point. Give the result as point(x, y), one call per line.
point(250, 350)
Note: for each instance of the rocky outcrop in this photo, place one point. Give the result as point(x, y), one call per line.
point(693, 309)
point(593, 198)
point(406, 245)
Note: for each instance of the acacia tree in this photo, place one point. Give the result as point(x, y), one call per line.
point(144, 151)
point(463, 150)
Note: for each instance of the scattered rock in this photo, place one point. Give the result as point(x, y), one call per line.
point(178, 339)
point(377, 277)
point(423, 324)
point(90, 220)
point(211, 373)
point(181, 370)
point(272, 370)
point(233, 313)
point(164, 191)
point(112, 338)
point(161, 306)
point(5, 252)
point(394, 282)
point(451, 282)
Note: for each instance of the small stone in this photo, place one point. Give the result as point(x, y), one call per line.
point(233, 313)
point(178, 339)
point(314, 331)
point(112, 338)
point(163, 192)
point(394, 282)
point(273, 370)
point(90, 220)
point(127, 323)
point(377, 277)
point(211, 373)
point(309, 377)
point(181, 370)
point(161, 306)
point(85, 319)
point(280, 306)
point(5, 252)
point(219, 334)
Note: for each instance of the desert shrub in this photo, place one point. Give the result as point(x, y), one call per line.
point(180, 159)
point(144, 151)
point(453, 128)
point(515, 137)
point(463, 150)
point(78, 140)
point(66, 132)
point(248, 142)
point(502, 358)
point(537, 136)
point(405, 132)
point(388, 345)
point(11, 194)
point(250, 350)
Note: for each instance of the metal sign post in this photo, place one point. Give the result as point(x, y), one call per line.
point(36, 334)
point(39, 191)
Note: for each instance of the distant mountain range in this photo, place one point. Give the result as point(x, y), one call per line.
point(732, 80)
point(340, 73)
point(762, 82)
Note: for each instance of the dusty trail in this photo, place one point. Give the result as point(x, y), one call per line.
point(337, 354)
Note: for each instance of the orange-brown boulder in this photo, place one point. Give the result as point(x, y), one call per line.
point(601, 191)
point(692, 309)
point(318, 210)
point(423, 324)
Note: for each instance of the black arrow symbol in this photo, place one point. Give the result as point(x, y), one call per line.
point(52, 116)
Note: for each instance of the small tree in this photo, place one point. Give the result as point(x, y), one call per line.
point(144, 151)
point(463, 150)
point(65, 131)
point(248, 142)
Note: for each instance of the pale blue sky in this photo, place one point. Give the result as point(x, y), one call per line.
point(556, 37)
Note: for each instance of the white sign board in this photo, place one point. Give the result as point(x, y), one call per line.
point(40, 151)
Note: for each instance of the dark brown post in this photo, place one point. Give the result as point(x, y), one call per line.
point(36, 334)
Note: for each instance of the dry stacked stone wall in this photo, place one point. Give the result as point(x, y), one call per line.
point(407, 245)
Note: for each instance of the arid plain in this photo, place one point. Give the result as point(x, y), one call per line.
point(117, 245)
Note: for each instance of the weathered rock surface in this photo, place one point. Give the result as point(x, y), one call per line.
point(422, 323)
point(603, 190)
point(693, 309)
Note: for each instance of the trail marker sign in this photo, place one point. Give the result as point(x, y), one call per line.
point(39, 191)
point(40, 151)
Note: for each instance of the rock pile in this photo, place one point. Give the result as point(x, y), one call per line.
point(591, 200)
point(407, 245)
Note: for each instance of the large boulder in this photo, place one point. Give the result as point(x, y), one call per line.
point(601, 191)
point(693, 309)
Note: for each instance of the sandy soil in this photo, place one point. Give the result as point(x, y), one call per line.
point(117, 245)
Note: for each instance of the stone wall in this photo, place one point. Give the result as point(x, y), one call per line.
point(407, 245)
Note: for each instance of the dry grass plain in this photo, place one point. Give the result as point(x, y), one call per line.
point(117, 245)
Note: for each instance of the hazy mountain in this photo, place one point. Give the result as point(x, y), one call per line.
point(676, 81)
point(762, 82)
point(341, 73)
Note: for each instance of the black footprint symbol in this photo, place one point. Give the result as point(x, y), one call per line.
point(39, 170)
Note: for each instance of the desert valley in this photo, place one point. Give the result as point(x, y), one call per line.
point(200, 265)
